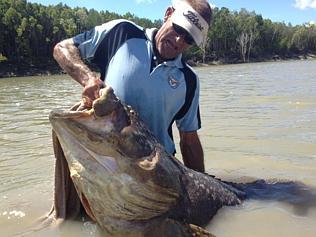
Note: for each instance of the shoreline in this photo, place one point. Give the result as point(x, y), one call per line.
point(24, 69)
point(275, 58)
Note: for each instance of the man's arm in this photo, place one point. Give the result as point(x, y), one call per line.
point(68, 57)
point(192, 151)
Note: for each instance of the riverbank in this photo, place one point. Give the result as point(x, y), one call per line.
point(46, 67)
point(270, 58)
point(25, 68)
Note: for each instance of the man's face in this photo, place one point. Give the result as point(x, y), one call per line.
point(168, 42)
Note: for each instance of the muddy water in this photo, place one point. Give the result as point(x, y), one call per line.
point(259, 121)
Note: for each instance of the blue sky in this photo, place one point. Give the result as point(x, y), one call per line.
point(288, 11)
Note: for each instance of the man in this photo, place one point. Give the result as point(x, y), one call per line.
point(146, 70)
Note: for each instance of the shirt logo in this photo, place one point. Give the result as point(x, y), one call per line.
point(194, 19)
point(174, 83)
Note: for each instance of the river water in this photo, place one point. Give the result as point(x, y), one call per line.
point(258, 121)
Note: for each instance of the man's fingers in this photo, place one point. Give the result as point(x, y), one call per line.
point(75, 107)
point(97, 93)
point(90, 93)
point(82, 106)
point(87, 101)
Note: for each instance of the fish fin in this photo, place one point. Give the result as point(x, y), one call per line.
point(198, 231)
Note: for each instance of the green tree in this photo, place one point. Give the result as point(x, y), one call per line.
point(248, 32)
point(223, 33)
point(29, 32)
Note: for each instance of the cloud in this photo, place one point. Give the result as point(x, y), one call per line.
point(304, 4)
point(310, 24)
point(212, 5)
point(145, 1)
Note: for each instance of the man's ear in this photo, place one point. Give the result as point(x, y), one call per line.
point(168, 13)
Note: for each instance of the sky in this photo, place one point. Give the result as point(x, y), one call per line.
point(296, 12)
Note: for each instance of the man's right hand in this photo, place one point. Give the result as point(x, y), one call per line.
point(91, 91)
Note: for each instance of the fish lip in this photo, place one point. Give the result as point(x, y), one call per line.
point(68, 114)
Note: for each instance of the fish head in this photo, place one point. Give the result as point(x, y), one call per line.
point(108, 128)
point(121, 172)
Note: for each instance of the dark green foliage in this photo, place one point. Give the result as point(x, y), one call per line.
point(244, 36)
point(29, 32)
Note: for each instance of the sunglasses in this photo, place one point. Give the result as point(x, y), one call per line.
point(183, 33)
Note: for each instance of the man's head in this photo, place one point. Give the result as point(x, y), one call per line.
point(185, 23)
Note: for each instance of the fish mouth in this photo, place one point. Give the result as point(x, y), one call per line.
point(69, 114)
point(115, 131)
point(106, 106)
point(106, 115)
point(89, 122)
point(84, 145)
point(109, 125)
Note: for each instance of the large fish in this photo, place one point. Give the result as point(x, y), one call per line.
point(127, 182)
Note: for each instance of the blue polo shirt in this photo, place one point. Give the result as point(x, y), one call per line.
point(161, 93)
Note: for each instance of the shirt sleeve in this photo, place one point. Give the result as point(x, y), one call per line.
point(191, 121)
point(89, 41)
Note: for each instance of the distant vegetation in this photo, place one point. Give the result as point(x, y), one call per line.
point(29, 31)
